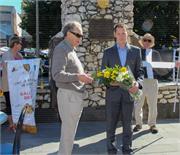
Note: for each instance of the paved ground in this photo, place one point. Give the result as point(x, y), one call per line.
point(90, 139)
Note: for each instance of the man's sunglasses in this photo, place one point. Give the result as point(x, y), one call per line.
point(147, 40)
point(77, 34)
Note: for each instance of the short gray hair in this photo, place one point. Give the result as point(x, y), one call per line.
point(70, 26)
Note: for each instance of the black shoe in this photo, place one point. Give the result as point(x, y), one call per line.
point(111, 148)
point(112, 151)
point(153, 129)
point(137, 128)
point(131, 153)
point(127, 151)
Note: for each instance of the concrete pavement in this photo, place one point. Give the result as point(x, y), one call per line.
point(90, 139)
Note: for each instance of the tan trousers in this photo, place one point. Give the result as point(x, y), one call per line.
point(150, 92)
point(70, 106)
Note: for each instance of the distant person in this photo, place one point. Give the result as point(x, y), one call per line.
point(69, 76)
point(55, 40)
point(175, 41)
point(178, 64)
point(150, 86)
point(15, 45)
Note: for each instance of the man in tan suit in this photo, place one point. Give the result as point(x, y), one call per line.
point(150, 86)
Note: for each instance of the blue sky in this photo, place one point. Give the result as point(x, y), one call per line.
point(15, 3)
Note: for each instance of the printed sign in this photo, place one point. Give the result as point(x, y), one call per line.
point(22, 80)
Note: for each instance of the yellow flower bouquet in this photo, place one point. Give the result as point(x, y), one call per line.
point(117, 76)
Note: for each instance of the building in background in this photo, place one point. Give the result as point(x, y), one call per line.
point(9, 24)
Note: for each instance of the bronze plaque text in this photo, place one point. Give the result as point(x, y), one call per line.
point(101, 29)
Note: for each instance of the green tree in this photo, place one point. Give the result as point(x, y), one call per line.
point(165, 18)
point(49, 20)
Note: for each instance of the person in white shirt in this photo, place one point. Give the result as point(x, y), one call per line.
point(15, 44)
point(150, 85)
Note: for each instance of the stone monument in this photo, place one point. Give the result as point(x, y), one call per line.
point(97, 18)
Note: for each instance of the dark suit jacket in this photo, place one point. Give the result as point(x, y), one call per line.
point(155, 57)
point(133, 60)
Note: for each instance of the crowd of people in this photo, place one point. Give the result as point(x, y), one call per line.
point(70, 79)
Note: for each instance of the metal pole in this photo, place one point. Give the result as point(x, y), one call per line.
point(37, 27)
point(177, 74)
point(176, 91)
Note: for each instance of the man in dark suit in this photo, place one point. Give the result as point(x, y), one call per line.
point(118, 100)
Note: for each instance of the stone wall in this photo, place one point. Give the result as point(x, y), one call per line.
point(167, 93)
point(165, 105)
point(166, 99)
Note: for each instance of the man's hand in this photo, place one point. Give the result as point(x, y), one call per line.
point(1, 92)
point(134, 88)
point(85, 78)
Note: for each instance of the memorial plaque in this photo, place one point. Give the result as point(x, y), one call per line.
point(101, 29)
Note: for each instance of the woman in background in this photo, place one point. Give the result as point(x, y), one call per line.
point(12, 54)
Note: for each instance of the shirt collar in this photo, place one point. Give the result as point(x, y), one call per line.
point(119, 48)
point(148, 50)
point(68, 44)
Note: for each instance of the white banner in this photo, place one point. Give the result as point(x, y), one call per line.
point(150, 65)
point(0, 74)
point(23, 79)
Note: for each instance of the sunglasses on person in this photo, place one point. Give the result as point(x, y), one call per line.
point(147, 40)
point(77, 34)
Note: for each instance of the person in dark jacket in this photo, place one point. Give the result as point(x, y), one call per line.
point(150, 86)
point(119, 100)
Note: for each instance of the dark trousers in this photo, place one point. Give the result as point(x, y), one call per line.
point(119, 102)
point(8, 104)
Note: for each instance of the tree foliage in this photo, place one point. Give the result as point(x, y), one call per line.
point(49, 20)
point(164, 14)
point(165, 17)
